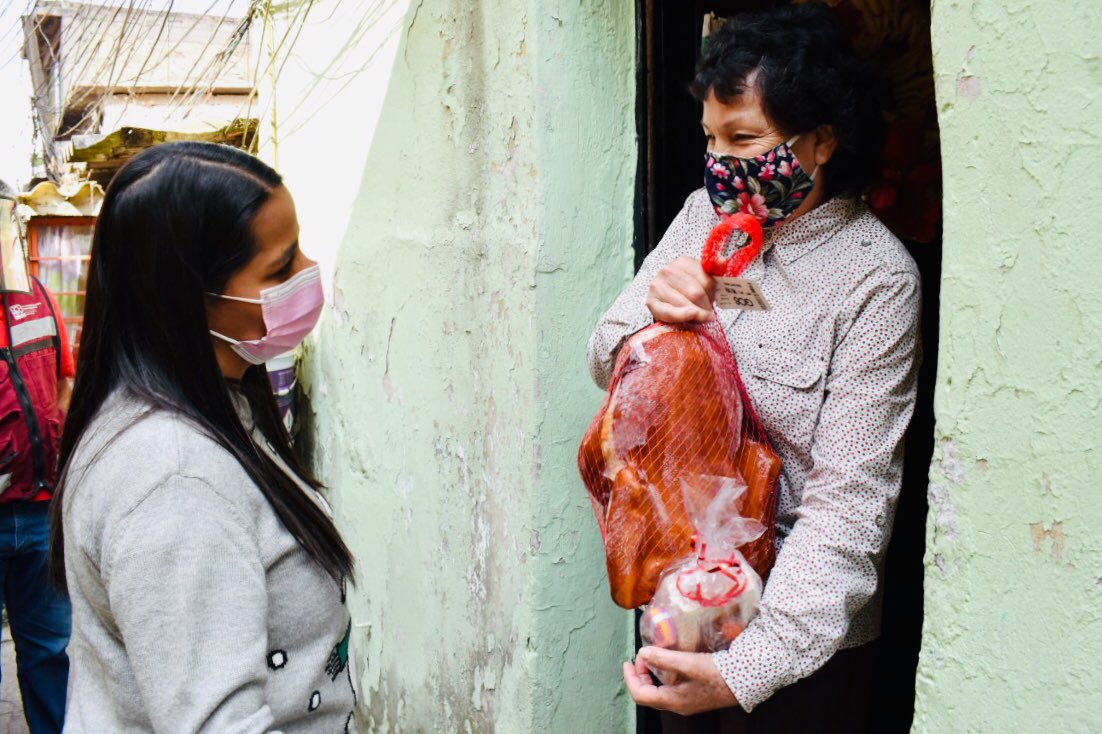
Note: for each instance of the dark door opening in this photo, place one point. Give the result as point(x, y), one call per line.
point(671, 145)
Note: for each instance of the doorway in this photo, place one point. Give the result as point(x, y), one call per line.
point(907, 198)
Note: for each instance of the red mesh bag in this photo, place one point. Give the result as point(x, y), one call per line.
point(677, 410)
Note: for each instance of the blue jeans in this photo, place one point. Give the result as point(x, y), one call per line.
point(39, 616)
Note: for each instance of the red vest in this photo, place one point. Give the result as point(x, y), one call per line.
point(30, 420)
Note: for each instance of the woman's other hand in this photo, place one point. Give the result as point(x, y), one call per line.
point(695, 683)
point(681, 292)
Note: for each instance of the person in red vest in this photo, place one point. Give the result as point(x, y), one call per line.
point(36, 366)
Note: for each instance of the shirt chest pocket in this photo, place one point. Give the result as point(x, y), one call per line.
point(787, 390)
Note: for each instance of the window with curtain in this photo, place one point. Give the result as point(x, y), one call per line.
point(59, 251)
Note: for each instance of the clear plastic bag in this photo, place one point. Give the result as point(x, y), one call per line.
point(676, 408)
point(706, 599)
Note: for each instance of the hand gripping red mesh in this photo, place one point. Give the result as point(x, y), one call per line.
point(676, 409)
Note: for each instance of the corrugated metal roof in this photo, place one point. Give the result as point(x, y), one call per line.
point(47, 199)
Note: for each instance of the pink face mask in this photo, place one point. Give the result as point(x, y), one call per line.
point(291, 311)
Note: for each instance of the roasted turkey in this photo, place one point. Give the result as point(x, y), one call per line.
point(676, 415)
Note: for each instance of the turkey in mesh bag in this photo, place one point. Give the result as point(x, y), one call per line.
point(676, 411)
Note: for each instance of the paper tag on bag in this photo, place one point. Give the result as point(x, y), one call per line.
point(740, 293)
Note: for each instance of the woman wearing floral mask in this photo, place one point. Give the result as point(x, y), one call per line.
point(793, 129)
point(206, 575)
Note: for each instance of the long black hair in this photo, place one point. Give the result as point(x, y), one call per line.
point(175, 225)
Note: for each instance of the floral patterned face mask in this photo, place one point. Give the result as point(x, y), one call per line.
point(768, 187)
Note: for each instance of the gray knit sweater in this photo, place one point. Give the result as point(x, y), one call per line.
point(194, 610)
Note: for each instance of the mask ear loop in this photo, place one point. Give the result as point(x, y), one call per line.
point(304, 275)
point(230, 340)
point(223, 337)
point(254, 301)
point(788, 144)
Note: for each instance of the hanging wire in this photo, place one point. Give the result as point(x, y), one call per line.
point(366, 23)
point(101, 86)
point(105, 46)
point(172, 106)
point(14, 31)
point(186, 34)
point(99, 18)
point(95, 86)
point(255, 79)
point(112, 83)
point(296, 25)
point(225, 56)
point(370, 12)
point(102, 21)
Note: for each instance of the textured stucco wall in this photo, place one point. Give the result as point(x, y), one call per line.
point(448, 385)
point(1013, 619)
point(585, 80)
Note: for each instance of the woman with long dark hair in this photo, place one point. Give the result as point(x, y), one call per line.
point(206, 574)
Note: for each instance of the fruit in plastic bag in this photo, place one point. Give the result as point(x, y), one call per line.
point(705, 600)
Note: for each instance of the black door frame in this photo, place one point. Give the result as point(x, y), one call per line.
point(670, 154)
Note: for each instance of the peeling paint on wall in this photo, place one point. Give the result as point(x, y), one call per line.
point(1053, 533)
point(1013, 611)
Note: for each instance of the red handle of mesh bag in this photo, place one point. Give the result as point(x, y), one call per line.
point(735, 263)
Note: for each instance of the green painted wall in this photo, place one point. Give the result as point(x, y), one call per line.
point(1013, 618)
point(448, 382)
